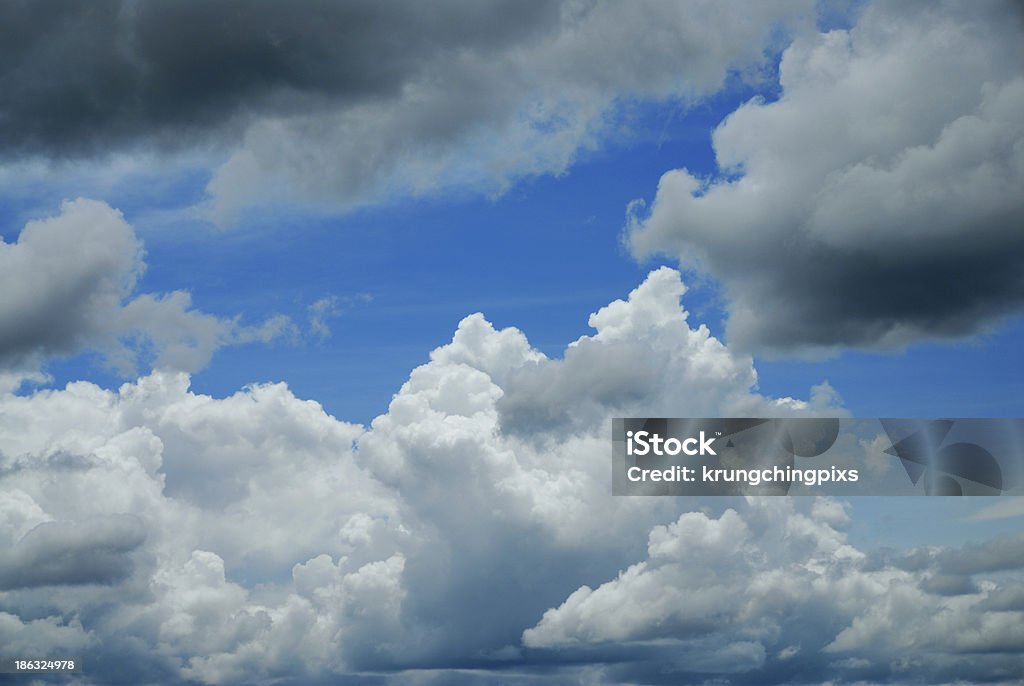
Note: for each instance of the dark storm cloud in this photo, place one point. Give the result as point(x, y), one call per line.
point(73, 553)
point(79, 77)
point(819, 296)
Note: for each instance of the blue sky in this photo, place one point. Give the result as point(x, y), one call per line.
point(541, 256)
point(228, 210)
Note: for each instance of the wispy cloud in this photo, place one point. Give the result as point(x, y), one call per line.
point(321, 312)
point(1001, 509)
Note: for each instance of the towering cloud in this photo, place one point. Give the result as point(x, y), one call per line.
point(167, 536)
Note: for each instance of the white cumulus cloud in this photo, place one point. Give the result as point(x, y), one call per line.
point(772, 580)
point(255, 537)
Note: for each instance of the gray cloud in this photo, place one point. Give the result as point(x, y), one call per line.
point(1004, 553)
point(66, 285)
point(95, 551)
point(878, 200)
point(78, 79)
point(481, 118)
point(347, 103)
point(60, 275)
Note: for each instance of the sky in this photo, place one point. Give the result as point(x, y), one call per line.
point(314, 317)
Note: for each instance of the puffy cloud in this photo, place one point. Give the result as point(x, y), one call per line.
point(63, 278)
point(346, 103)
point(491, 408)
point(522, 456)
point(181, 520)
point(644, 360)
point(192, 539)
point(877, 199)
point(66, 286)
point(271, 539)
point(778, 594)
point(48, 636)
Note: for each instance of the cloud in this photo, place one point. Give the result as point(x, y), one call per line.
point(990, 556)
point(531, 495)
point(89, 552)
point(481, 117)
point(48, 635)
point(644, 360)
point(277, 540)
point(66, 286)
point(352, 103)
point(331, 307)
point(161, 71)
point(771, 594)
point(1011, 507)
point(159, 514)
point(319, 312)
point(461, 536)
point(876, 201)
point(63, 278)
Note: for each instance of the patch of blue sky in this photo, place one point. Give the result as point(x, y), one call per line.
point(902, 523)
point(542, 257)
point(976, 377)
